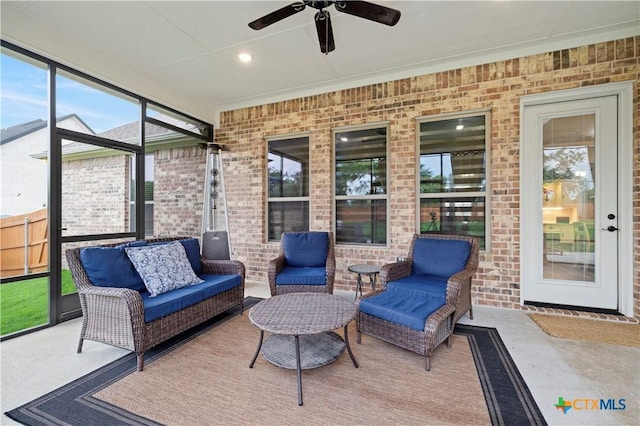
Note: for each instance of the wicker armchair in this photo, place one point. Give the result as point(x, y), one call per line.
point(115, 315)
point(306, 263)
point(446, 296)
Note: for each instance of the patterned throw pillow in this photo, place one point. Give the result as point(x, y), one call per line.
point(163, 268)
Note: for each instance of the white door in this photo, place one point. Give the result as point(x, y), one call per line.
point(569, 205)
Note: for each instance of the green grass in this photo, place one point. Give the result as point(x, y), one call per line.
point(25, 304)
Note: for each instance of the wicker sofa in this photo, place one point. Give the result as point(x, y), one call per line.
point(118, 310)
point(423, 296)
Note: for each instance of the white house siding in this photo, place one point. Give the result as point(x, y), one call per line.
point(24, 179)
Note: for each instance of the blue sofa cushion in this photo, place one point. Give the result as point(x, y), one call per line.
point(305, 249)
point(436, 286)
point(163, 267)
point(111, 267)
point(216, 284)
point(405, 307)
point(192, 247)
point(302, 276)
point(441, 258)
point(167, 303)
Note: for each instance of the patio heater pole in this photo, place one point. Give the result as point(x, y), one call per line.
point(215, 221)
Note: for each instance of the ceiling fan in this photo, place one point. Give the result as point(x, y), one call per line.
point(362, 9)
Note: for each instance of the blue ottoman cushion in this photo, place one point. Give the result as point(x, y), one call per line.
point(410, 308)
point(436, 286)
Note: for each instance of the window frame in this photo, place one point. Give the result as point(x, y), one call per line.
point(269, 199)
point(385, 196)
point(486, 112)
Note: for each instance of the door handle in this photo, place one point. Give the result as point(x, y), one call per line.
point(610, 228)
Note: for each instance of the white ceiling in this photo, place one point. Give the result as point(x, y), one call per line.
point(184, 53)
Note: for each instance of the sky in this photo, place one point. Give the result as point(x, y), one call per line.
point(23, 98)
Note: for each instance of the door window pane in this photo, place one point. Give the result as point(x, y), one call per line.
point(95, 190)
point(568, 197)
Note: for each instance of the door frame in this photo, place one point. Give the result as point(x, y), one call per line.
point(624, 93)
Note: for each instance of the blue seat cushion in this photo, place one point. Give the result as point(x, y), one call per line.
point(441, 258)
point(172, 301)
point(111, 267)
point(436, 286)
point(216, 284)
point(192, 247)
point(409, 308)
point(302, 276)
point(305, 248)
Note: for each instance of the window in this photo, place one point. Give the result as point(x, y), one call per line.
point(148, 195)
point(361, 185)
point(288, 188)
point(453, 175)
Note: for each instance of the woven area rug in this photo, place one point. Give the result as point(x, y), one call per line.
point(589, 330)
point(203, 378)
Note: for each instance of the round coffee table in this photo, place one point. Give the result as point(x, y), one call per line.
point(302, 327)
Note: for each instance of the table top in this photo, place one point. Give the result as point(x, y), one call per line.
point(364, 269)
point(302, 313)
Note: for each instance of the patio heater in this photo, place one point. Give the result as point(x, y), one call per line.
point(215, 221)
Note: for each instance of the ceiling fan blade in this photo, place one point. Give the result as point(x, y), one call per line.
point(276, 16)
point(370, 11)
point(325, 32)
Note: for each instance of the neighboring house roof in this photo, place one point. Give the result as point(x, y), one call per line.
point(155, 135)
point(130, 131)
point(19, 130)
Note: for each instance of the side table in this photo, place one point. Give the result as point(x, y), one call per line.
point(371, 271)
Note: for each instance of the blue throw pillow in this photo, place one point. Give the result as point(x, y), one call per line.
point(305, 248)
point(110, 266)
point(441, 258)
point(163, 267)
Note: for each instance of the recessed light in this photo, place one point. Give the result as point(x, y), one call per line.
point(244, 57)
point(459, 127)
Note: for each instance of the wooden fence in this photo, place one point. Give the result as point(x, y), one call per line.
point(24, 244)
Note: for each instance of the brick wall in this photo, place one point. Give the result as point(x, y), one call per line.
point(497, 86)
point(178, 191)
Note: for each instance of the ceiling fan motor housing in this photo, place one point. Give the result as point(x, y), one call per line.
point(318, 4)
